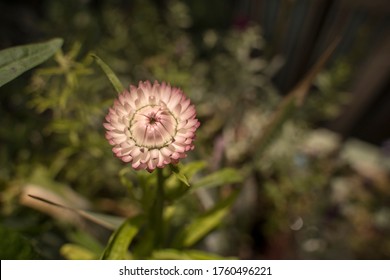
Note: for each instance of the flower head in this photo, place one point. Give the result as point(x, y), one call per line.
point(151, 126)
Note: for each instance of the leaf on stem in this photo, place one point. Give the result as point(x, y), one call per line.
point(118, 245)
point(205, 223)
point(218, 178)
point(178, 171)
point(116, 83)
point(193, 167)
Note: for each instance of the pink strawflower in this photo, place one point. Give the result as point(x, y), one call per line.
point(151, 126)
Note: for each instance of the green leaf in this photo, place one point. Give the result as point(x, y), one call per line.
point(200, 255)
point(178, 185)
point(205, 223)
point(116, 83)
point(107, 221)
point(17, 60)
point(118, 245)
point(218, 178)
point(178, 172)
point(86, 240)
point(193, 167)
point(172, 254)
point(76, 252)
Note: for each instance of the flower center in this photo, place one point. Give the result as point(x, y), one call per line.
point(153, 126)
point(152, 118)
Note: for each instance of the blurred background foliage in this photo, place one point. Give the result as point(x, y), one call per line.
point(314, 193)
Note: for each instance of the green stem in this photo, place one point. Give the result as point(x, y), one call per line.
point(159, 210)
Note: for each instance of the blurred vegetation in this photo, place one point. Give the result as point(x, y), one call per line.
point(309, 195)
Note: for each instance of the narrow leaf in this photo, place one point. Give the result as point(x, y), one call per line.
point(116, 83)
point(205, 223)
point(218, 178)
point(172, 254)
point(86, 240)
point(17, 60)
point(181, 177)
point(107, 221)
point(118, 245)
point(178, 172)
point(201, 255)
point(193, 167)
point(76, 252)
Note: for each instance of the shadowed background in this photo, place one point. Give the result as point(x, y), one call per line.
point(320, 191)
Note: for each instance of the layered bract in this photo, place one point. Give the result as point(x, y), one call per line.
point(151, 126)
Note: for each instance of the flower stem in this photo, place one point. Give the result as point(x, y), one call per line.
point(158, 210)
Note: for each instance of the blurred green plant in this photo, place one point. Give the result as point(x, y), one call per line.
point(293, 197)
